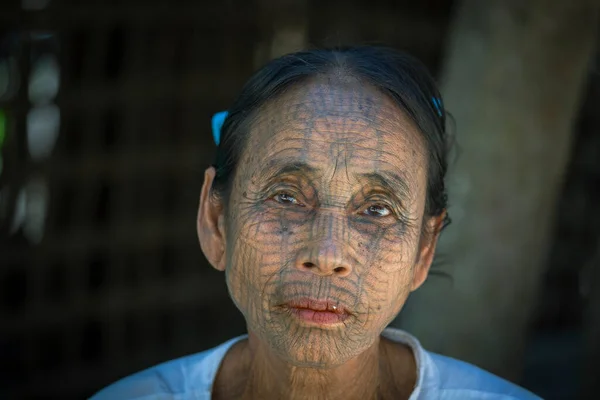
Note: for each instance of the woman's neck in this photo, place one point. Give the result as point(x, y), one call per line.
point(252, 371)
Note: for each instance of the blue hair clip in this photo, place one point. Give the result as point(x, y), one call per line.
point(438, 105)
point(217, 124)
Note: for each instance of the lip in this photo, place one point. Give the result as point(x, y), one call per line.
point(318, 312)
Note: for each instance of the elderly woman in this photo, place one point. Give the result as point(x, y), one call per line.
point(323, 209)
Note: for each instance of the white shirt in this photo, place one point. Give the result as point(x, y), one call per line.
point(192, 377)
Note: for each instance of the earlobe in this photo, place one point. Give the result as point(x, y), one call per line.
point(427, 250)
point(211, 224)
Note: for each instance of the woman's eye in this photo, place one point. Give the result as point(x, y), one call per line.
point(286, 198)
point(378, 210)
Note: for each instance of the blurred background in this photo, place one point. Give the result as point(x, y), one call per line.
point(105, 111)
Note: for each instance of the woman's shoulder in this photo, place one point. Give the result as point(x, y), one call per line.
point(186, 377)
point(447, 378)
point(460, 380)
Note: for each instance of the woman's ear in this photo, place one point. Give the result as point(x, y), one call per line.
point(211, 223)
point(432, 228)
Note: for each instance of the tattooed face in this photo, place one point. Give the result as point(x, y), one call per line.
point(326, 213)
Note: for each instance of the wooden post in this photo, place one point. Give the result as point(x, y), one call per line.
point(513, 81)
point(591, 329)
point(284, 29)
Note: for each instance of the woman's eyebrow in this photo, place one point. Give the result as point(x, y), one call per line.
point(389, 180)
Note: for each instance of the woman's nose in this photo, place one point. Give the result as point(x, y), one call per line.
point(324, 259)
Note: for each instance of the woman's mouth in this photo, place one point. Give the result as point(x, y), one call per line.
point(318, 312)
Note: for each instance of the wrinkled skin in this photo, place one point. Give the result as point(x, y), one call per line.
point(327, 202)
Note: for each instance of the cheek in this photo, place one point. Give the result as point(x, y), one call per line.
point(272, 233)
point(386, 272)
point(385, 252)
point(241, 277)
point(387, 292)
point(262, 245)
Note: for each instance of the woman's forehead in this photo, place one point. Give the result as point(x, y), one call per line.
point(321, 121)
point(351, 100)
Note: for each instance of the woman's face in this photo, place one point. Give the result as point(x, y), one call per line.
point(326, 212)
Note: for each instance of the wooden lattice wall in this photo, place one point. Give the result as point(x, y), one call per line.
point(118, 282)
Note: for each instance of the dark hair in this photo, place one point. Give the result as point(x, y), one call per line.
point(398, 75)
